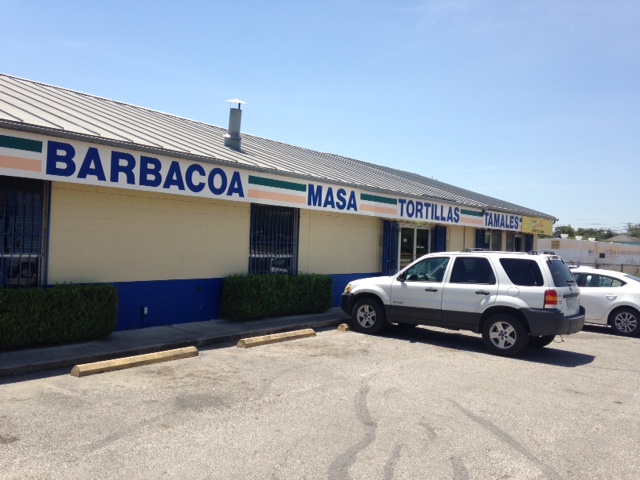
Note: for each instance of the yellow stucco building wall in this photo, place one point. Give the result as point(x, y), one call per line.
point(101, 234)
point(335, 244)
point(106, 234)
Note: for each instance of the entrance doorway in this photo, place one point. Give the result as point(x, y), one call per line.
point(414, 242)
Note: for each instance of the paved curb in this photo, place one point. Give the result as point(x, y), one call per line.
point(99, 352)
point(275, 338)
point(130, 362)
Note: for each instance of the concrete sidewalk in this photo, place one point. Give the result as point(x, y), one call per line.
point(155, 339)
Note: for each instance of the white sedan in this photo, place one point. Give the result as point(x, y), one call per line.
point(610, 298)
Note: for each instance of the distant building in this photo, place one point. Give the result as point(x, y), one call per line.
point(624, 239)
point(588, 252)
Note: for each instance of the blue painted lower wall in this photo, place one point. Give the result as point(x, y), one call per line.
point(171, 302)
point(168, 302)
point(340, 281)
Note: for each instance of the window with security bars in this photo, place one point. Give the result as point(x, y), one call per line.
point(515, 242)
point(511, 242)
point(496, 240)
point(274, 240)
point(492, 240)
point(22, 213)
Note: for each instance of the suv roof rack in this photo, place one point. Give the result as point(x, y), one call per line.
point(530, 252)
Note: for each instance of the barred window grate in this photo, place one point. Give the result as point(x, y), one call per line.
point(496, 240)
point(274, 240)
point(22, 239)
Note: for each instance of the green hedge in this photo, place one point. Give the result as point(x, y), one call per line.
point(250, 297)
point(61, 314)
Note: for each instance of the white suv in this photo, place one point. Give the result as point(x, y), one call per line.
point(513, 299)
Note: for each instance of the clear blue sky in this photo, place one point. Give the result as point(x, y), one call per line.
point(533, 102)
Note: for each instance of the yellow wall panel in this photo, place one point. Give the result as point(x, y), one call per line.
point(335, 244)
point(461, 238)
point(455, 239)
point(106, 235)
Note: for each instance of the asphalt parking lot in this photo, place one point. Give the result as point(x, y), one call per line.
point(423, 404)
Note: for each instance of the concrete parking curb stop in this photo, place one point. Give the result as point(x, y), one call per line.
point(278, 337)
point(128, 343)
point(135, 361)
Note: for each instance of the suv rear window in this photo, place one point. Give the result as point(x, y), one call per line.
point(522, 272)
point(561, 274)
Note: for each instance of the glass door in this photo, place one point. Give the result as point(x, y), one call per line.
point(414, 242)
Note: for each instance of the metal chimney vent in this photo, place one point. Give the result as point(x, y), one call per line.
point(232, 137)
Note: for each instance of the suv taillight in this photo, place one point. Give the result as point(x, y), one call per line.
point(550, 299)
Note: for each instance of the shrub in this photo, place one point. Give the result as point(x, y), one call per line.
point(250, 297)
point(61, 314)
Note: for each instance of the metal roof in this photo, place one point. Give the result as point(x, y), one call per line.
point(33, 106)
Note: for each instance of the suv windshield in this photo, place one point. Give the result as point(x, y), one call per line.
point(561, 274)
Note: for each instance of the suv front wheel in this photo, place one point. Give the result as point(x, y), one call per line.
point(368, 316)
point(504, 334)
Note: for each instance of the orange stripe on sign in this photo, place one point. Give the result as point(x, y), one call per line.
point(17, 163)
point(278, 197)
point(371, 208)
point(472, 221)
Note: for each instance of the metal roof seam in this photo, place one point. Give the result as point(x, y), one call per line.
point(107, 120)
point(17, 119)
point(36, 116)
point(52, 114)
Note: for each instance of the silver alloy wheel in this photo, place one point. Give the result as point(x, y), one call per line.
point(626, 322)
point(366, 316)
point(503, 335)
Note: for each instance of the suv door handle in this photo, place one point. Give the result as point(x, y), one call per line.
point(430, 289)
point(482, 292)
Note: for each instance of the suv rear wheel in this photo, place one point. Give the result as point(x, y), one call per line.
point(504, 334)
point(368, 316)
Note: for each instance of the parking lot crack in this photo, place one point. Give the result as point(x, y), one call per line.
point(430, 430)
point(339, 468)
point(509, 440)
point(459, 469)
point(392, 462)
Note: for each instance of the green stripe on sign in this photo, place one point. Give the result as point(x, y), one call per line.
point(20, 144)
point(267, 182)
point(376, 198)
point(471, 213)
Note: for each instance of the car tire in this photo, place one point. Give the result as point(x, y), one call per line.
point(368, 316)
point(625, 321)
point(541, 341)
point(504, 335)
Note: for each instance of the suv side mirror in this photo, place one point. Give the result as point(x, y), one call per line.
point(402, 277)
